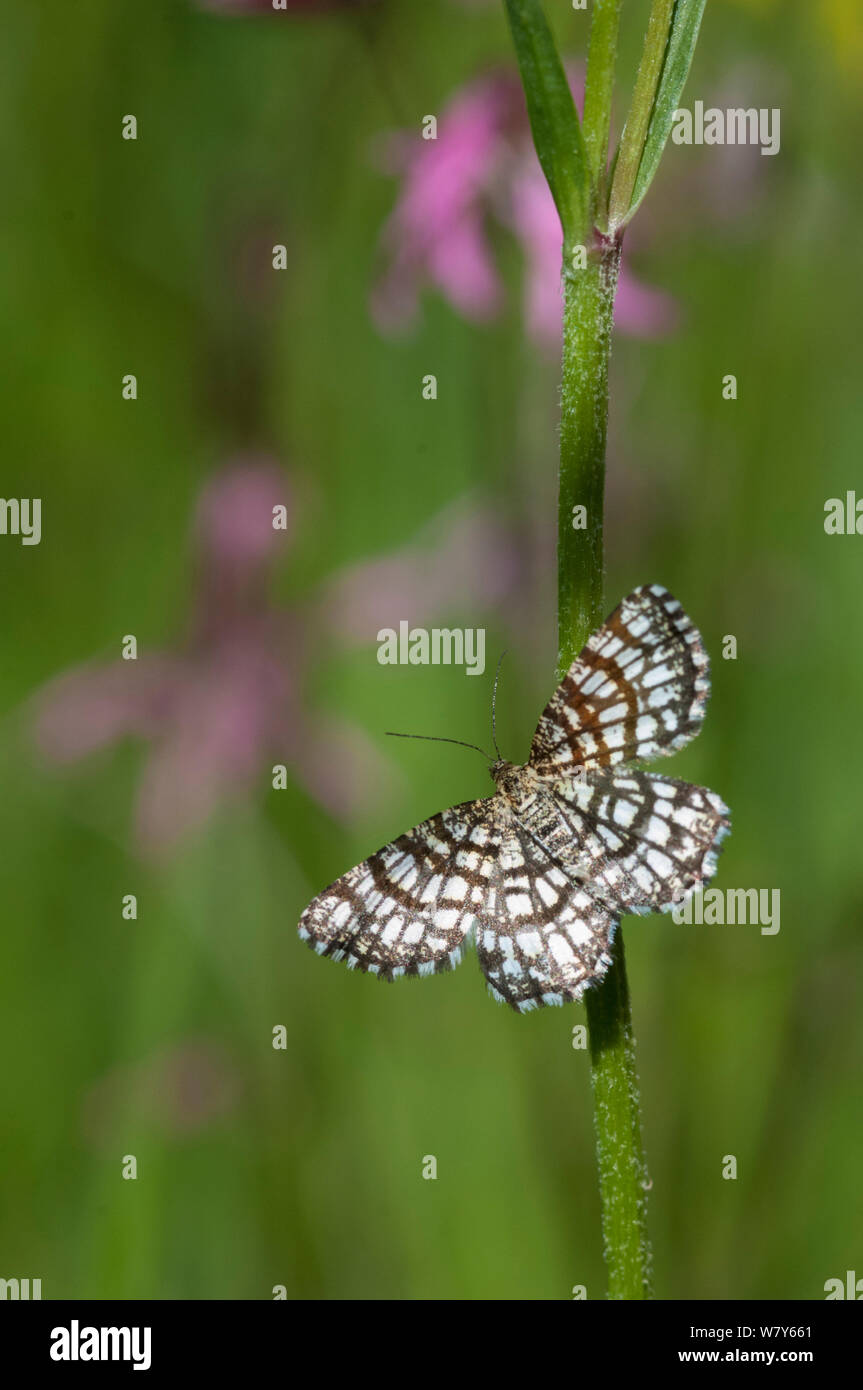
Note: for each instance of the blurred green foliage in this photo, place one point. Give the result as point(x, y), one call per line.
point(118, 257)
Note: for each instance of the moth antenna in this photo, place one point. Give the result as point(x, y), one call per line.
point(494, 704)
point(435, 738)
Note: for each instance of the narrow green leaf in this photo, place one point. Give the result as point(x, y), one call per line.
point(635, 131)
point(678, 58)
point(553, 118)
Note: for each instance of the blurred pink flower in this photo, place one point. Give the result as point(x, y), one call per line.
point(464, 556)
point(227, 703)
point(480, 171)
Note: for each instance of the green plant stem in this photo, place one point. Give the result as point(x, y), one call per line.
point(622, 1165)
point(588, 318)
point(587, 321)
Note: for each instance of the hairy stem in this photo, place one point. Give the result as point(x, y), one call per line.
point(588, 317)
point(587, 322)
point(617, 1117)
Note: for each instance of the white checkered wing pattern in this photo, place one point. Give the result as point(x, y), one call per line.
point(637, 690)
point(549, 937)
point(541, 872)
point(412, 908)
point(409, 909)
point(637, 840)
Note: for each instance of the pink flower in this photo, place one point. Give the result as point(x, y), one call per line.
point(481, 171)
point(465, 556)
point(437, 228)
point(221, 708)
point(224, 705)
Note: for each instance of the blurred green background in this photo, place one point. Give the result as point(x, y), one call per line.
point(302, 1167)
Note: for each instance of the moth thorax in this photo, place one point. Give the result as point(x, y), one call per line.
point(513, 782)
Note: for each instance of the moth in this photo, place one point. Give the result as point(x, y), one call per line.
point(538, 874)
